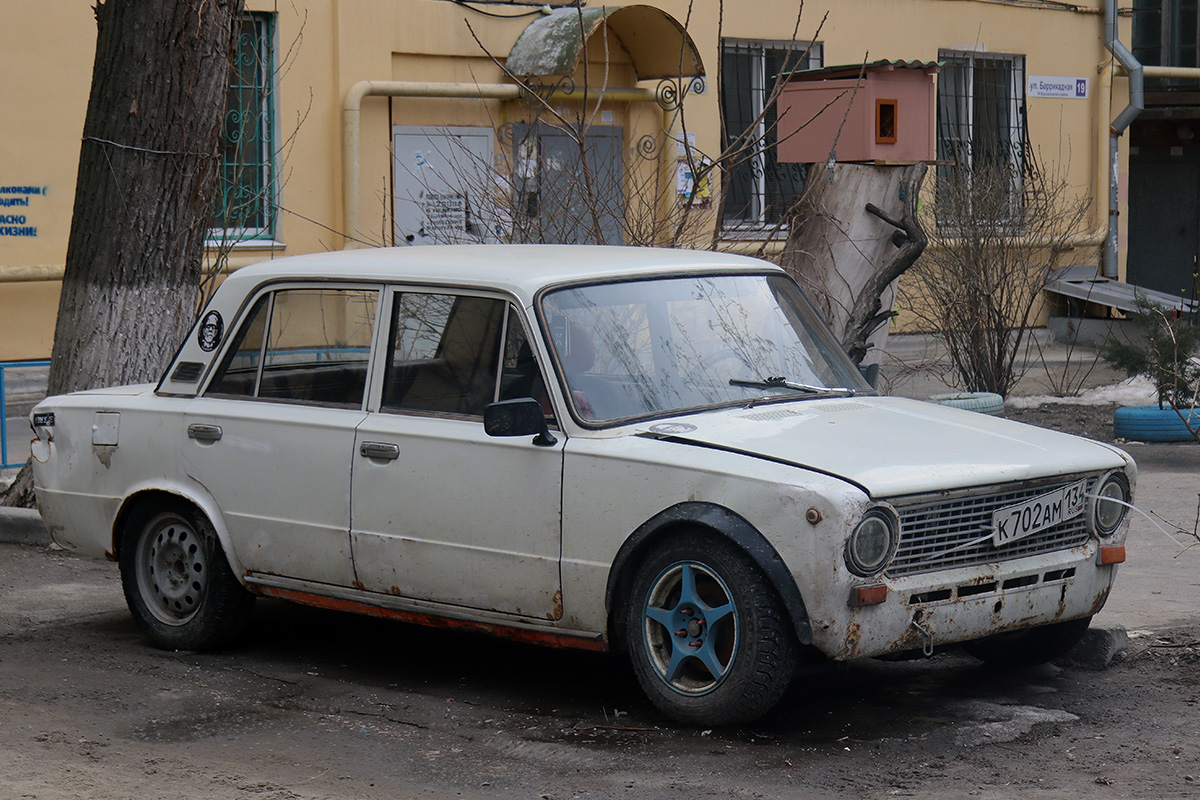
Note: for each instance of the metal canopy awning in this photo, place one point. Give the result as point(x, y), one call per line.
point(658, 45)
point(1085, 283)
point(854, 70)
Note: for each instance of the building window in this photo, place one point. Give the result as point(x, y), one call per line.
point(245, 204)
point(982, 137)
point(758, 188)
point(1166, 33)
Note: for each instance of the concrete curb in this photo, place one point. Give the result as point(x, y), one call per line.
point(22, 526)
point(1097, 648)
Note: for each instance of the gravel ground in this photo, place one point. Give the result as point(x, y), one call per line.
point(1094, 422)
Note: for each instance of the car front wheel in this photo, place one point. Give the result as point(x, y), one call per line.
point(177, 582)
point(705, 633)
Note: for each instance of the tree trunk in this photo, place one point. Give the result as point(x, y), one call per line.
point(144, 193)
point(849, 240)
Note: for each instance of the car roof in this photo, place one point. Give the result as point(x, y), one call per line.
point(519, 269)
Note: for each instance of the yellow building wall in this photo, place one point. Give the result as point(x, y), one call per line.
point(326, 46)
point(46, 53)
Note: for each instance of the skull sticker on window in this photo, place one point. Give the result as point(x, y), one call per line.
point(211, 328)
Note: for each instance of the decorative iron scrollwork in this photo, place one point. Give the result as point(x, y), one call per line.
point(507, 133)
point(648, 147)
point(671, 91)
point(535, 93)
point(668, 94)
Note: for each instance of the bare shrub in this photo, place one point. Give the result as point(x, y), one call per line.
point(1067, 377)
point(999, 231)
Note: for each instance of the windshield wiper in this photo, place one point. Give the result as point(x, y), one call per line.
point(784, 383)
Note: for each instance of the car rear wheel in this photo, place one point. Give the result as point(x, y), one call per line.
point(177, 582)
point(705, 633)
point(1029, 647)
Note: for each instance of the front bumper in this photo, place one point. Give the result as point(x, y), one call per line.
point(924, 611)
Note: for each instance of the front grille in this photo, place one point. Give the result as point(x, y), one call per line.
point(935, 531)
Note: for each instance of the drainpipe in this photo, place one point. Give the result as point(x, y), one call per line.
point(30, 273)
point(1137, 103)
point(352, 137)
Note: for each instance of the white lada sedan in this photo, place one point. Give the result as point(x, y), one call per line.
point(659, 452)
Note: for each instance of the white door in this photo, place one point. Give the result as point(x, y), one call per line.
point(281, 477)
point(440, 511)
point(272, 439)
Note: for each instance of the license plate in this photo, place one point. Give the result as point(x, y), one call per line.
point(1025, 519)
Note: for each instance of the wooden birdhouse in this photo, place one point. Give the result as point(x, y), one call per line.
point(890, 117)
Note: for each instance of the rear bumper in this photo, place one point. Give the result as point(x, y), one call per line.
point(79, 522)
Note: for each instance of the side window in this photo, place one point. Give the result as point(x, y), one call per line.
point(443, 353)
point(238, 374)
point(302, 345)
point(520, 375)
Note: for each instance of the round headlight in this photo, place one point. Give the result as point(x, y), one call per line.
point(872, 543)
point(1108, 507)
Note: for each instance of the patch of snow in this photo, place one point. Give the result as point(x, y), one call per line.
point(989, 723)
point(1136, 391)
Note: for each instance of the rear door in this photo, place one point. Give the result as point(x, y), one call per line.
point(272, 436)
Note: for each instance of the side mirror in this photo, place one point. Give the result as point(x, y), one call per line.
point(520, 417)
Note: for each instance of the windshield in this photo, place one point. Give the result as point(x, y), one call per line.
point(654, 347)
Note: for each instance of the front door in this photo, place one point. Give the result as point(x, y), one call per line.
point(440, 511)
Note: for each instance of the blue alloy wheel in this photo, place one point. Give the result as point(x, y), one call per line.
point(705, 631)
point(690, 627)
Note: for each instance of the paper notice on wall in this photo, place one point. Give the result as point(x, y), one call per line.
point(445, 213)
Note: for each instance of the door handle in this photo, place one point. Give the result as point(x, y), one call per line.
point(382, 450)
point(205, 433)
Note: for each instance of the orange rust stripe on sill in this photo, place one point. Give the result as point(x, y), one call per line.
point(542, 638)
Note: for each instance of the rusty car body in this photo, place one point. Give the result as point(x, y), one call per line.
point(663, 453)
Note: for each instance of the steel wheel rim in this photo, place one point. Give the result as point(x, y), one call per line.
point(172, 569)
point(690, 628)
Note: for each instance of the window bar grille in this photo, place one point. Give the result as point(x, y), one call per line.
point(759, 188)
point(245, 203)
point(981, 128)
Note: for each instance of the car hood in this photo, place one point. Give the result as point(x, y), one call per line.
point(891, 446)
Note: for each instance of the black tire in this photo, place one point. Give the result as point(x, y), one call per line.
point(744, 654)
point(1030, 647)
point(177, 582)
